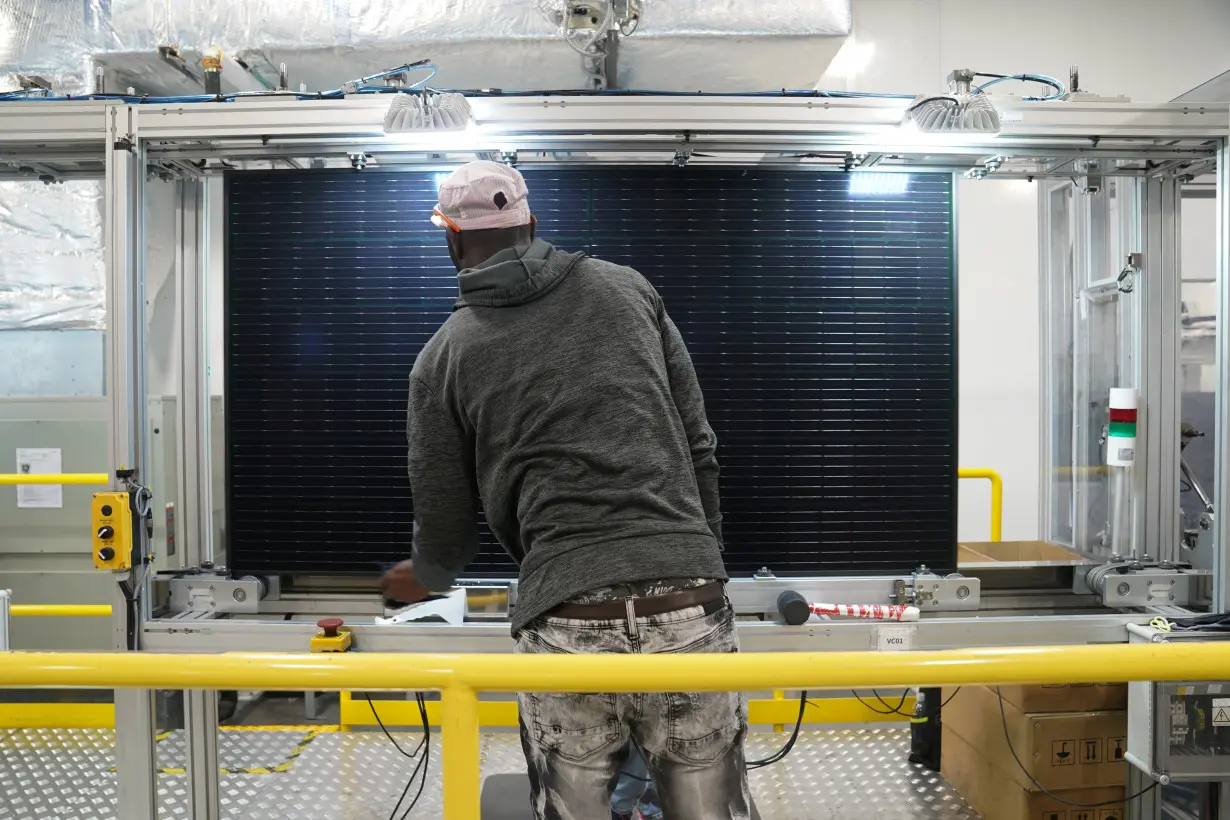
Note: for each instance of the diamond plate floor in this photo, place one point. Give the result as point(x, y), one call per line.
point(842, 774)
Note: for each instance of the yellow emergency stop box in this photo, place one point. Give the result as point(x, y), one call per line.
point(112, 531)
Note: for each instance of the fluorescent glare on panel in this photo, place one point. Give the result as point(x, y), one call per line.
point(863, 183)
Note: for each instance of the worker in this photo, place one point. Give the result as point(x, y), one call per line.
point(560, 393)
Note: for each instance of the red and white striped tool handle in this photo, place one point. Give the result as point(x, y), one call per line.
point(875, 612)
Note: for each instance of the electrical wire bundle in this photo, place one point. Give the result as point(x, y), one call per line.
point(363, 85)
point(420, 754)
point(359, 86)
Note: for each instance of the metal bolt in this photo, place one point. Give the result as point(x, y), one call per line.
point(962, 592)
point(212, 604)
point(935, 603)
point(1172, 582)
point(1172, 596)
point(240, 594)
point(1124, 588)
point(211, 589)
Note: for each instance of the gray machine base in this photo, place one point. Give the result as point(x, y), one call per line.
point(507, 797)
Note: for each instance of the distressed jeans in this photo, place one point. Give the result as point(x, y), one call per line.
point(692, 743)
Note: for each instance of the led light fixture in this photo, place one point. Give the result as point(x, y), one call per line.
point(428, 111)
point(963, 110)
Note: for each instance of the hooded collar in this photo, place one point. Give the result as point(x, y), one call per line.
point(514, 276)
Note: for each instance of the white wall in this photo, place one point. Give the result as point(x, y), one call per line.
point(1147, 50)
point(998, 350)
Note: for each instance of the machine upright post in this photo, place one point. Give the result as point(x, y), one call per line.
point(1157, 369)
point(123, 213)
point(1221, 434)
point(201, 725)
point(194, 505)
point(459, 724)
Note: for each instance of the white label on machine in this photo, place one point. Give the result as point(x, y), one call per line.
point(39, 461)
point(1221, 711)
point(894, 638)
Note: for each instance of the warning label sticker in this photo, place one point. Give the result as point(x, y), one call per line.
point(1221, 716)
point(1063, 753)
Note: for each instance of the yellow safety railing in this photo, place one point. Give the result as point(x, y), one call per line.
point(460, 678)
point(61, 610)
point(54, 478)
point(997, 497)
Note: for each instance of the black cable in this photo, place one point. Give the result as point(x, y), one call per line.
point(900, 703)
point(421, 762)
point(781, 753)
point(1004, 717)
point(387, 734)
point(950, 697)
point(926, 100)
point(891, 710)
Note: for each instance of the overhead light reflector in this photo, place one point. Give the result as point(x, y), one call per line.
point(963, 110)
point(428, 111)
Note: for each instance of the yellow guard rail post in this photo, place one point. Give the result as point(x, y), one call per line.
point(54, 478)
point(461, 677)
point(997, 497)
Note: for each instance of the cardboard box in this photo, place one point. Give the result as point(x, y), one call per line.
point(1067, 697)
point(992, 795)
point(1071, 750)
point(1016, 552)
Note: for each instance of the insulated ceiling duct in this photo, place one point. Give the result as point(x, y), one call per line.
point(155, 47)
point(683, 45)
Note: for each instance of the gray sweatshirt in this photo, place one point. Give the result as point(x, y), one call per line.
point(560, 396)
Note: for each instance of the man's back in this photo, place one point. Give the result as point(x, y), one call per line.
point(564, 373)
point(561, 392)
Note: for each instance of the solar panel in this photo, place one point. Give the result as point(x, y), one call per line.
point(819, 310)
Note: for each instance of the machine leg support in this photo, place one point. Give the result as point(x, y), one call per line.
point(462, 781)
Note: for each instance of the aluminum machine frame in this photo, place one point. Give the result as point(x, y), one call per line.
point(199, 608)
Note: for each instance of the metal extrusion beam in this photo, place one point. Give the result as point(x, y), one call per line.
point(48, 123)
point(361, 116)
point(1158, 367)
point(248, 635)
point(1221, 476)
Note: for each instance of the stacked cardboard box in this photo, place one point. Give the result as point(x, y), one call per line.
point(1069, 741)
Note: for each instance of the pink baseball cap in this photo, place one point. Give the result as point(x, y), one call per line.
point(482, 195)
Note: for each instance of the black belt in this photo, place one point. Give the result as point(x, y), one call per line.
point(711, 596)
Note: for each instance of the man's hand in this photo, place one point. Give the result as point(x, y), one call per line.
point(400, 584)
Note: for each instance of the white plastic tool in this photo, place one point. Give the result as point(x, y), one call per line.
point(450, 608)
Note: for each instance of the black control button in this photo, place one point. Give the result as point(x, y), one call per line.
point(106, 553)
point(106, 509)
point(106, 533)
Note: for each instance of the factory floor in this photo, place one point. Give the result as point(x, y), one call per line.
point(317, 772)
